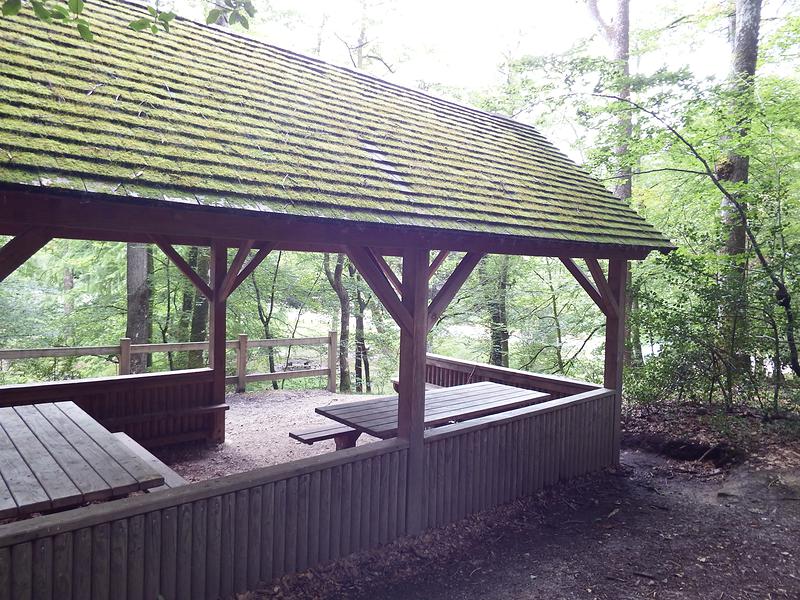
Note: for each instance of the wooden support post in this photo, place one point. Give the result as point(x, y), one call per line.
point(241, 363)
point(615, 344)
point(216, 333)
point(411, 403)
point(333, 345)
point(124, 356)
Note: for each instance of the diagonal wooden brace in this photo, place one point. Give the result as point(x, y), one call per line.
point(183, 266)
point(450, 288)
point(369, 267)
point(21, 248)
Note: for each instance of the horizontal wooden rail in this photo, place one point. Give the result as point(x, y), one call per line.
point(241, 345)
point(445, 372)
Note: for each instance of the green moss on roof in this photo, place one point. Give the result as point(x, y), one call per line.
point(202, 116)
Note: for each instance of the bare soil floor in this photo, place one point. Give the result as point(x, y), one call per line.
point(724, 524)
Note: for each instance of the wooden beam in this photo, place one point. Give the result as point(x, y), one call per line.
point(183, 267)
point(129, 217)
point(216, 332)
point(370, 270)
point(602, 285)
point(450, 288)
point(437, 262)
point(257, 259)
point(228, 285)
point(584, 282)
point(615, 345)
point(411, 393)
point(16, 251)
point(389, 272)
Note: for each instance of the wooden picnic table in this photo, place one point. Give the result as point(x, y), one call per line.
point(378, 417)
point(55, 456)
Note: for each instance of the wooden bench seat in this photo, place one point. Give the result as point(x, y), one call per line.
point(340, 434)
point(428, 386)
point(171, 478)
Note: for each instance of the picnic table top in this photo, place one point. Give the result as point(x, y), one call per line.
point(378, 417)
point(55, 456)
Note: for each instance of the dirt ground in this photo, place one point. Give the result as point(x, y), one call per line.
point(723, 522)
point(257, 430)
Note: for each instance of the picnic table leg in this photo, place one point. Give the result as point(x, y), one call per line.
point(346, 440)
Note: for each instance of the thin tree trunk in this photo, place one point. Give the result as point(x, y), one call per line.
point(138, 326)
point(335, 279)
point(199, 321)
point(495, 296)
point(735, 170)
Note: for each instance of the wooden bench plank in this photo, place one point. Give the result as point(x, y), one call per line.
point(141, 471)
point(320, 433)
point(91, 485)
point(119, 480)
point(171, 478)
point(57, 485)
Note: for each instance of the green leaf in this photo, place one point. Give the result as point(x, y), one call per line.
point(60, 12)
point(244, 22)
point(153, 28)
point(249, 9)
point(165, 25)
point(166, 16)
point(139, 24)
point(41, 11)
point(76, 6)
point(85, 32)
point(152, 10)
point(213, 15)
point(11, 7)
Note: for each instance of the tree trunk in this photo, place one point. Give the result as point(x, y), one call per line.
point(335, 279)
point(199, 320)
point(362, 357)
point(734, 169)
point(495, 293)
point(139, 326)
point(617, 35)
point(265, 315)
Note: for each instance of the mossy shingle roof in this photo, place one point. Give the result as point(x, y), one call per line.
point(204, 116)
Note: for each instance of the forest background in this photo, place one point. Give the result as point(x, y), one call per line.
point(690, 111)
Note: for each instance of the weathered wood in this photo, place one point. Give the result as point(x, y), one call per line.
point(251, 266)
point(299, 374)
point(118, 565)
point(321, 433)
point(229, 281)
point(184, 267)
point(379, 417)
point(604, 287)
point(136, 557)
point(124, 356)
point(450, 288)
point(241, 363)
point(200, 527)
point(333, 344)
point(411, 397)
point(437, 262)
point(584, 282)
point(388, 271)
point(16, 251)
point(216, 333)
point(171, 478)
point(123, 221)
point(615, 346)
point(366, 263)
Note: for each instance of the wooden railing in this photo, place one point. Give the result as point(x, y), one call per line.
point(125, 349)
point(447, 372)
point(218, 538)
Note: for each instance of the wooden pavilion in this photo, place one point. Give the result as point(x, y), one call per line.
point(202, 137)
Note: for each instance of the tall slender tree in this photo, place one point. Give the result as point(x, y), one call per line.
point(139, 323)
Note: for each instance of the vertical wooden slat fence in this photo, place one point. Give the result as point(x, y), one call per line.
point(212, 539)
point(224, 536)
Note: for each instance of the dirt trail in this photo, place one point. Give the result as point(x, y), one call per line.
point(657, 528)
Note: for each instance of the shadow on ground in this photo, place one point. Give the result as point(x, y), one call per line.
point(656, 528)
